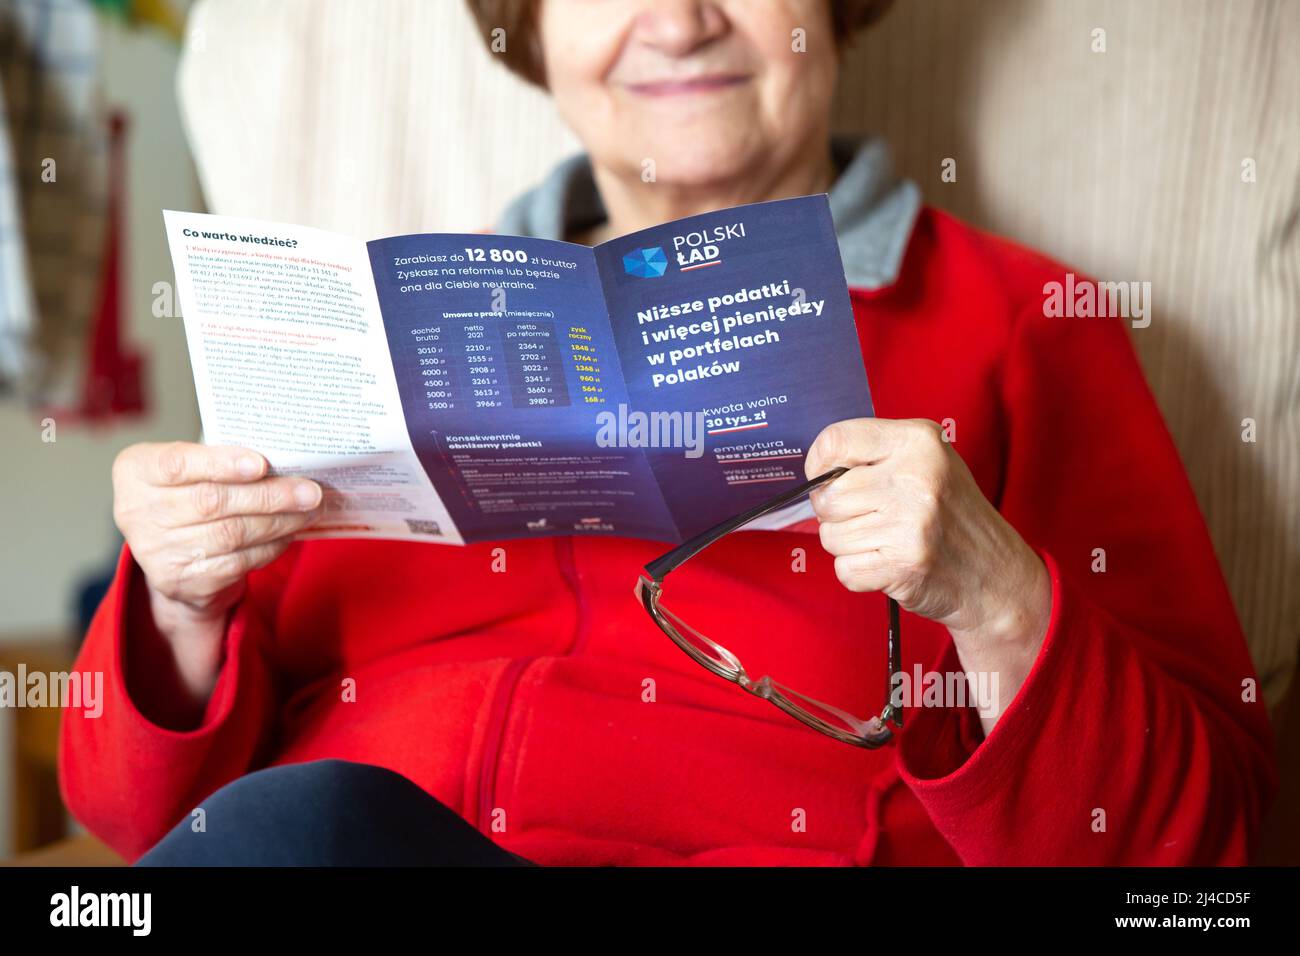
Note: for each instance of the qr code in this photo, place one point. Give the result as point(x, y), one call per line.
point(422, 526)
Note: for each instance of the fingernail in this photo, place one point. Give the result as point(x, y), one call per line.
point(307, 494)
point(249, 466)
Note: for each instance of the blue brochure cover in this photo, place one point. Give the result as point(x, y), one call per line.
point(649, 387)
point(657, 383)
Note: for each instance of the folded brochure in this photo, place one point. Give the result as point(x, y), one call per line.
point(463, 388)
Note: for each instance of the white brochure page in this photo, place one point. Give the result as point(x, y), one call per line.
point(290, 359)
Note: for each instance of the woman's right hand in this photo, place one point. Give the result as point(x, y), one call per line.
point(198, 518)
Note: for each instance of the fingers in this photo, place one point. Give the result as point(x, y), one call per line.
point(172, 464)
point(208, 575)
point(856, 492)
point(883, 519)
point(241, 532)
point(865, 571)
point(854, 441)
point(864, 441)
point(209, 501)
point(198, 518)
point(858, 534)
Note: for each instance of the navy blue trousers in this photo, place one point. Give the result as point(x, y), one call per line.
point(326, 813)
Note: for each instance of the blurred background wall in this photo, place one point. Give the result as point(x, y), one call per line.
point(56, 524)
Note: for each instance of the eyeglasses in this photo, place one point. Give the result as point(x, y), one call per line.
point(871, 733)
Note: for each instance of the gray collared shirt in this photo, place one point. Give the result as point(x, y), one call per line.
point(874, 209)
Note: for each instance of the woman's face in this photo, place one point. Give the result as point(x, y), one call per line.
point(709, 90)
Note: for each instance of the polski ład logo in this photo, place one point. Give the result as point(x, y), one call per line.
point(646, 263)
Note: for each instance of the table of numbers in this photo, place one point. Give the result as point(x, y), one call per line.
point(505, 363)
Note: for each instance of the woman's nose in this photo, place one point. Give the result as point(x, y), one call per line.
point(679, 27)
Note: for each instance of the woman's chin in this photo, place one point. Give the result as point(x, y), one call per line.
point(701, 164)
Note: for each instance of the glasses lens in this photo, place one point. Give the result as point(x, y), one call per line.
point(832, 717)
point(706, 651)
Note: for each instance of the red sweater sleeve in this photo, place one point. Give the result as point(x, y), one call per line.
point(1130, 741)
point(129, 777)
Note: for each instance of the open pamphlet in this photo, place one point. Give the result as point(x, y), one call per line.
point(466, 388)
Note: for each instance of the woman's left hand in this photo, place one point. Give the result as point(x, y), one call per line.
point(908, 519)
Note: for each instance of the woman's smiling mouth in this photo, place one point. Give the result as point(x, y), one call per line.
point(688, 86)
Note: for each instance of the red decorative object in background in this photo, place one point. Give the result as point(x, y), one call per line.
point(113, 384)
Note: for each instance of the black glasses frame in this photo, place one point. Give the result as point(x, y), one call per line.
point(871, 733)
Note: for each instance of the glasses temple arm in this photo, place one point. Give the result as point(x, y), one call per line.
point(665, 563)
point(892, 713)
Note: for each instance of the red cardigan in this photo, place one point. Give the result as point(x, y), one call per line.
point(518, 696)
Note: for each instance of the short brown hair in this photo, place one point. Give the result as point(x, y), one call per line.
point(523, 53)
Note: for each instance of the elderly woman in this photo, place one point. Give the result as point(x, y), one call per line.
point(378, 702)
